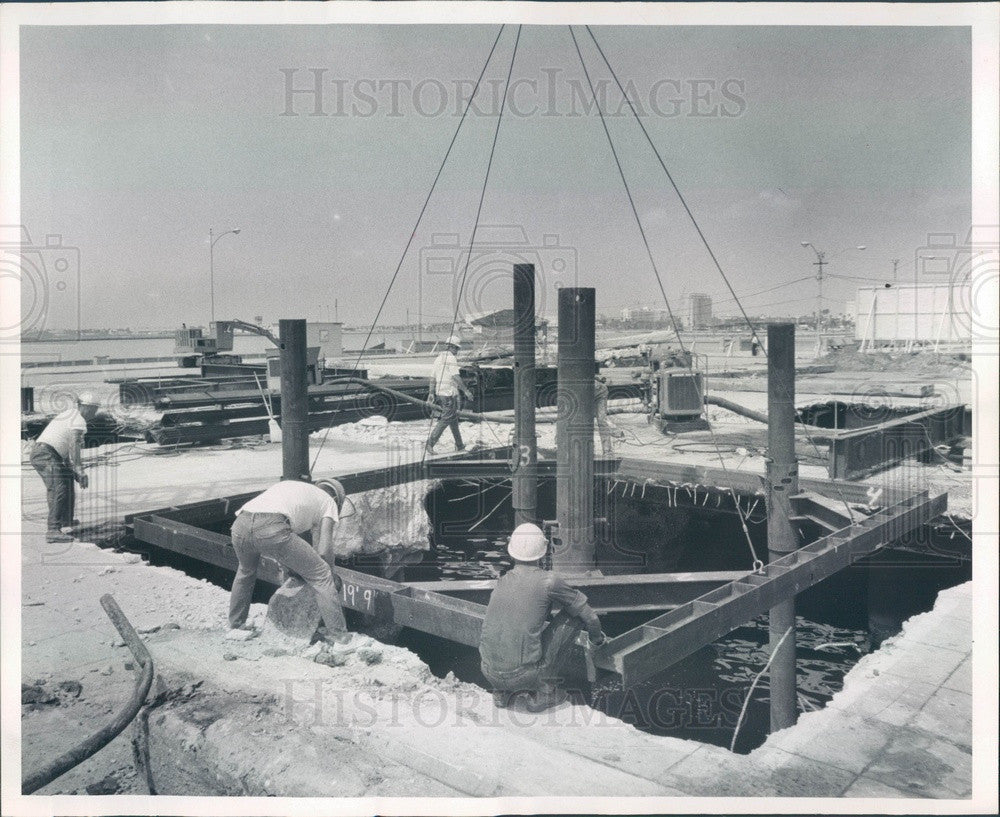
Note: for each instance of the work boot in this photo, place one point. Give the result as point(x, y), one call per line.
point(545, 697)
point(502, 698)
point(55, 536)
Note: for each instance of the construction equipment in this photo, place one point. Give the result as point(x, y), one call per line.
point(675, 391)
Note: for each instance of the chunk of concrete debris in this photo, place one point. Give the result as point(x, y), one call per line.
point(72, 688)
point(36, 696)
point(109, 785)
point(107, 571)
point(292, 611)
point(229, 656)
point(147, 630)
point(171, 625)
point(330, 659)
point(107, 670)
point(310, 652)
point(131, 558)
point(370, 656)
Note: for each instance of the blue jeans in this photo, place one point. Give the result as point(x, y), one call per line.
point(269, 534)
point(448, 419)
point(57, 475)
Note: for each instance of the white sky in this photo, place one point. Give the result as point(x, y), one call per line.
point(135, 140)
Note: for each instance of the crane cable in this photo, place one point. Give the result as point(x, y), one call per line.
point(701, 235)
point(758, 565)
point(413, 232)
point(482, 196)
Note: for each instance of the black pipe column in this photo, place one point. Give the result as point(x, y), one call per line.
point(525, 496)
point(573, 549)
point(294, 399)
point(782, 482)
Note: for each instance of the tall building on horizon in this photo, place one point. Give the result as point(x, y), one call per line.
point(698, 311)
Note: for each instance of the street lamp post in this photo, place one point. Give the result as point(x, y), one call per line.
point(819, 263)
point(212, 238)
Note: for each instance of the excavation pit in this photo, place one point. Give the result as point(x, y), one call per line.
point(673, 528)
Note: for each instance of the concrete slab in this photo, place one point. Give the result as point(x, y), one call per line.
point(781, 773)
point(961, 679)
point(948, 714)
point(838, 739)
point(870, 788)
point(923, 765)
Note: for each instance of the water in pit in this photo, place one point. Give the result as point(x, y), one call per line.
point(701, 696)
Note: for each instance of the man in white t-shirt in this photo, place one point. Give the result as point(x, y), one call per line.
point(445, 387)
point(269, 525)
point(56, 457)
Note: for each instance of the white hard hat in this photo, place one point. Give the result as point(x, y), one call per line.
point(87, 398)
point(453, 340)
point(527, 543)
point(334, 487)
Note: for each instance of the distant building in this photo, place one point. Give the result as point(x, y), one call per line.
point(498, 327)
point(327, 336)
point(925, 313)
point(646, 317)
point(698, 311)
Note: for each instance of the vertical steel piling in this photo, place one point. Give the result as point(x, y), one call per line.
point(573, 552)
point(782, 482)
point(294, 399)
point(525, 495)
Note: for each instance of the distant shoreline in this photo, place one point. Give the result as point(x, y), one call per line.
point(96, 337)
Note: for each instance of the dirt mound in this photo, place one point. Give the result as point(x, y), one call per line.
point(919, 362)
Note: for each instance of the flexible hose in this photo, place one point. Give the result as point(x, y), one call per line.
point(101, 738)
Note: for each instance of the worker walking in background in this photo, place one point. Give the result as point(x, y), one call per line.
point(521, 650)
point(56, 457)
point(446, 388)
point(605, 427)
point(269, 525)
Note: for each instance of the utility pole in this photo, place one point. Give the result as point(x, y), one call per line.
point(819, 263)
point(895, 269)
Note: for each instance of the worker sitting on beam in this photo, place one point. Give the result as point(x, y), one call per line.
point(269, 525)
point(445, 387)
point(521, 650)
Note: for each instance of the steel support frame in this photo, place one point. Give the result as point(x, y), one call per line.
point(863, 451)
point(609, 594)
point(665, 640)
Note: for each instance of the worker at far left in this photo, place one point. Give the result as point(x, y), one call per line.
point(56, 457)
point(270, 525)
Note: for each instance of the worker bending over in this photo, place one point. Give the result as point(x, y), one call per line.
point(269, 525)
point(521, 650)
point(56, 457)
point(445, 387)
